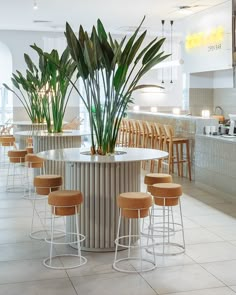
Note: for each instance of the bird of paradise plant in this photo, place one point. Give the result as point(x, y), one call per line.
point(110, 71)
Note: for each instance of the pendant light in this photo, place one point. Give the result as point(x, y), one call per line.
point(171, 47)
point(162, 72)
point(35, 5)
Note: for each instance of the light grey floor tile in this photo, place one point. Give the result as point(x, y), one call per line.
point(27, 270)
point(200, 235)
point(14, 236)
point(18, 223)
point(21, 251)
point(113, 283)
point(209, 252)
point(180, 278)
point(98, 263)
point(233, 288)
point(16, 212)
point(213, 291)
point(218, 219)
point(19, 203)
point(48, 287)
point(224, 271)
point(227, 233)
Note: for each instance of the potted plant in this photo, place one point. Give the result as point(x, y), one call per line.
point(46, 86)
point(28, 88)
point(58, 71)
point(110, 71)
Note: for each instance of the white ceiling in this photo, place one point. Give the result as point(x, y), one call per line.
point(117, 15)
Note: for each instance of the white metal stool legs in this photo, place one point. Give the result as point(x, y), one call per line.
point(50, 261)
point(165, 239)
point(144, 264)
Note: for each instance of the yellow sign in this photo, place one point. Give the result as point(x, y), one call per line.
point(204, 39)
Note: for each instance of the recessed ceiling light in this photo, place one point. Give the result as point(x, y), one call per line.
point(185, 9)
point(38, 21)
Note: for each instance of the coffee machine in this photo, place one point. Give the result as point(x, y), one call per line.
point(232, 126)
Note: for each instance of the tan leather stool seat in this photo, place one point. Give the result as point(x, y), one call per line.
point(152, 178)
point(65, 201)
point(132, 201)
point(166, 194)
point(34, 161)
point(45, 184)
point(7, 140)
point(29, 149)
point(17, 156)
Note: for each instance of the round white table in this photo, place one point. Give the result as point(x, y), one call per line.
point(101, 179)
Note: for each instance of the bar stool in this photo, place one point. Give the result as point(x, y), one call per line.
point(65, 203)
point(177, 157)
point(168, 195)
point(30, 150)
point(133, 205)
point(6, 143)
point(32, 162)
point(153, 178)
point(44, 184)
point(15, 170)
point(149, 180)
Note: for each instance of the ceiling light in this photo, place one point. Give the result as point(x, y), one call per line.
point(35, 6)
point(185, 9)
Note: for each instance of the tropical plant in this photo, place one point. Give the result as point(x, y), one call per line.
point(110, 71)
point(59, 72)
point(28, 90)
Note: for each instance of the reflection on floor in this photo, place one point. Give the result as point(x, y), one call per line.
point(207, 268)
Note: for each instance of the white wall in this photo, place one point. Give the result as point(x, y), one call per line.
point(19, 43)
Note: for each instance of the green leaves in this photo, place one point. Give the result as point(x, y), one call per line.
point(110, 70)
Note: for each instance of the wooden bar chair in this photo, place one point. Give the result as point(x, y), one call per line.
point(176, 147)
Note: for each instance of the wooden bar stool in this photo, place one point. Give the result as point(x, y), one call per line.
point(15, 174)
point(176, 147)
point(133, 205)
point(32, 162)
point(44, 184)
point(65, 203)
point(168, 195)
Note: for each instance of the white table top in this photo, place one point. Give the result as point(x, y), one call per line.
point(44, 133)
point(75, 155)
point(27, 123)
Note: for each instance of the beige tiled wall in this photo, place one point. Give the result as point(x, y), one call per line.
point(199, 99)
point(226, 98)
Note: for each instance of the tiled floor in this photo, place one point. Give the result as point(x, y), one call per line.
point(207, 268)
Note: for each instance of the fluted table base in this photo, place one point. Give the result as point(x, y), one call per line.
point(100, 184)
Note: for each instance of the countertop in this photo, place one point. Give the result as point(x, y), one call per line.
point(225, 138)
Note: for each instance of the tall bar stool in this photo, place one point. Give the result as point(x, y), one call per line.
point(153, 178)
point(7, 143)
point(32, 162)
point(44, 184)
point(149, 180)
point(16, 170)
point(133, 205)
point(65, 203)
point(179, 144)
point(168, 195)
